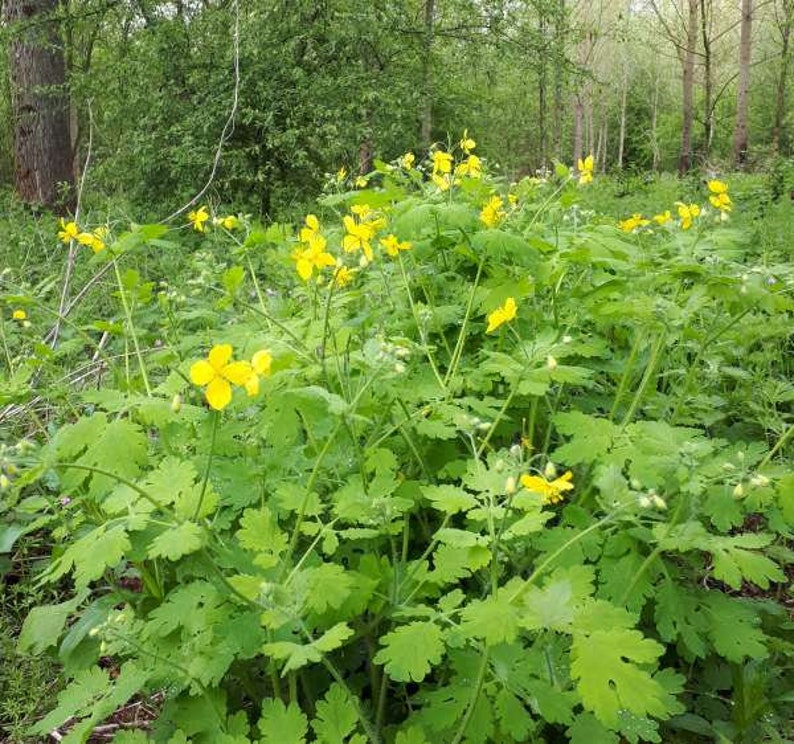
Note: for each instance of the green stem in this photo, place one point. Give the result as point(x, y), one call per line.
point(475, 696)
point(419, 327)
point(131, 328)
point(542, 567)
point(215, 417)
point(624, 380)
point(458, 351)
point(778, 446)
point(650, 371)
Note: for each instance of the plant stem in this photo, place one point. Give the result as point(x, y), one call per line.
point(215, 417)
point(131, 328)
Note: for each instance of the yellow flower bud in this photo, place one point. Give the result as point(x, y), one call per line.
point(176, 403)
point(551, 363)
point(738, 491)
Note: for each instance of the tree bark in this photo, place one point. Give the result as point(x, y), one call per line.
point(426, 114)
point(741, 132)
point(622, 132)
point(687, 97)
point(708, 83)
point(780, 91)
point(559, 78)
point(578, 129)
point(39, 104)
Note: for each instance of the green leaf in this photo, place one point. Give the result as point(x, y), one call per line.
point(591, 437)
point(88, 686)
point(259, 532)
point(449, 499)
point(733, 565)
point(587, 729)
point(336, 716)
point(513, 716)
point(734, 627)
point(680, 616)
point(411, 735)
point(176, 542)
point(333, 638)
point(43, 626)
point(606, 667)
point(493, 619)
point(282, 724)
point(295, 655)
point(410, 651)
point(91, 555)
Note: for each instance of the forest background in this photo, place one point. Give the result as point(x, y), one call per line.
point(312, 87)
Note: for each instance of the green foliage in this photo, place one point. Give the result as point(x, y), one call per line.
point(377, 538)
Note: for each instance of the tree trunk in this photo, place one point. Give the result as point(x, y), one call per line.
point(578, 129)
point(39, 104)
point(708, 83)
point(654, 133)
point(622, 132)
point(780, 92)
point(740, 133)
point(559, 72)
point(542, 84)
point(688, 78)
point(427, 93)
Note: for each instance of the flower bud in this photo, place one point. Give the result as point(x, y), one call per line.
point(760, 481)
point(659, 502)
point(515, 451)
point(551, 363)
point(644, 502)
point(738, 491)
point(176, 403)
point(510, 486)
point(4, 482)
point(729, 466)
point(550, 471)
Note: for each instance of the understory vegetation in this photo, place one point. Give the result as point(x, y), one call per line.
point(448, 458)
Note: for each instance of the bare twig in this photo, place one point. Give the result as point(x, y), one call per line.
point(73, 247)
point(228, 127)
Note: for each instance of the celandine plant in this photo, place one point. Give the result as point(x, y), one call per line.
point(450, 463)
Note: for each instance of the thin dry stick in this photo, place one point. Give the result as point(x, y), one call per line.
point(228, 127)
point(73, 248)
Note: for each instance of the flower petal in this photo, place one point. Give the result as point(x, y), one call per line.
point(252, 385)
point(202, 373)
point(219, 356)
point(237, 372)
point(261, 362)
point(218, 393)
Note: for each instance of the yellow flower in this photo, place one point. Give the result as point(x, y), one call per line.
point(717, 187)
point(471, 166)
point(19, 314)
point(358, 237)
point(216, 372)
point(310, 233)
point(551, 491)
point(198, 217)
point(312, 257)
point(492, 213)
point(502, 315)
point(444, 182)
point(407, 161)
point(632, 223)
point(467, 144)
point(68, 231)
point(392, 246)
point(360, 182)
point(341, 174)
point(512, 199)
point(94, 239)
point(663, 218)
point(260, 366)
point(585, 168)
point(687, 213)
point(442, 162)
point(343, 276)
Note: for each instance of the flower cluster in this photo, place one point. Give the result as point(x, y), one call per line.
point(96, 239)
point(311, 253)
point(199, 218)
point(718, 195)
point(493, 213)
point(585, 168)
point(687, 213)
point(217, 373)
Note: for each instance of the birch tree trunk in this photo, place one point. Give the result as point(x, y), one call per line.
point(741, 133)
point(687, 93)
point(780, 92)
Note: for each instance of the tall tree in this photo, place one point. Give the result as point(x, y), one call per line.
point(687, 90)
point(40, 103)
point(740, 132)
point(784, 22)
